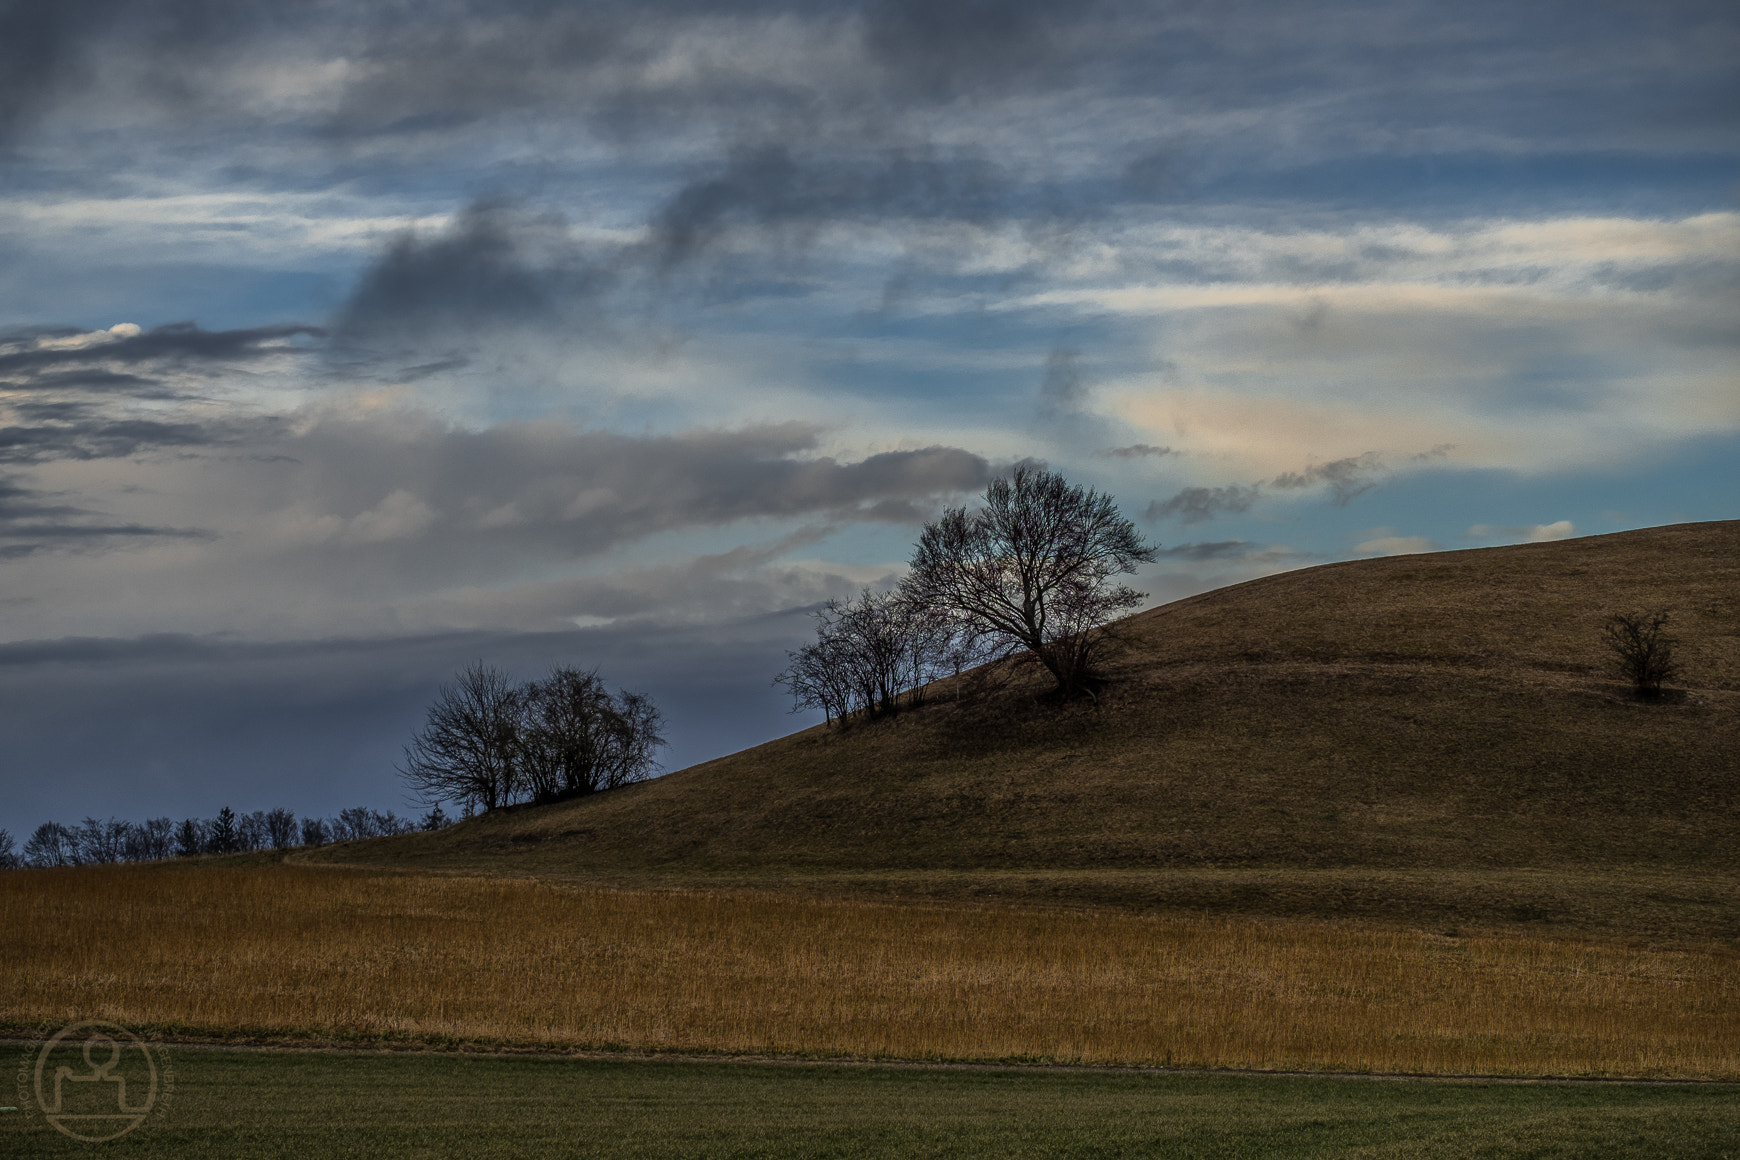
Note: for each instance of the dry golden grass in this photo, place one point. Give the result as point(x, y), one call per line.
point(277, 950)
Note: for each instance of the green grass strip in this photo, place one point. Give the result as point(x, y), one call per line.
point(333, 1104)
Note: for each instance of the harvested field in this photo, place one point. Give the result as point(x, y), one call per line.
point(291, 951)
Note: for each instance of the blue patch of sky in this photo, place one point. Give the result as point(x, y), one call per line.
point(215, 297)
point(1699, 480)
point(318, 729)
point(1430, 187)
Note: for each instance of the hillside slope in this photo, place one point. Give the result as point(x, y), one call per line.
point(1431, 738)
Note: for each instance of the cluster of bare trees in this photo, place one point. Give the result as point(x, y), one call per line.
point(97, 842)
point(1030, 575)
point(874, 655)
point(489, 742)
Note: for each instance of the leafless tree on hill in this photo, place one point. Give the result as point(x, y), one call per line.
point(281, 828)
point(252, 832)
point(1032, 570)
point(466, 751)
point(491, 743)
point(315, 832)
point(873, 654)
point(152, 840)
point(52, 844)
point(576, 737)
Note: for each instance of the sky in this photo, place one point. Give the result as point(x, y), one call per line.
point(345, 344)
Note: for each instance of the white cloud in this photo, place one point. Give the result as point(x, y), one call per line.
point(1396, 546)
point(85, 340)
point(1530, 346)
point(1532, 533)
point(231, 228)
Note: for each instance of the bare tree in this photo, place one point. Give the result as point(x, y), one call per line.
point(9, 859)
point(253, 832)
point(1642, 649)
point(355, 824)
point(576, 737)
point(281, 828)
point(632, 735)
point(872, 654)
point(467, 751)
point(100, 843)
point(52, 844)
point(1032, 570)
point(153, 839)
point(562, 733)
point(817, 678)
point(389, 824)
point(315, 832)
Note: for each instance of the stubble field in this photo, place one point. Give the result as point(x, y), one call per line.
point(295, 952)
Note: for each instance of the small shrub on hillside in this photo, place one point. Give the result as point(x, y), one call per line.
point(1642, 650)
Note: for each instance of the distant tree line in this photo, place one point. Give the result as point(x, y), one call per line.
point(1028, 576)
point(489, 742)
point(96, 842)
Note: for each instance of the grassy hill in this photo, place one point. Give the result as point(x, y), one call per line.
point(1433, 740)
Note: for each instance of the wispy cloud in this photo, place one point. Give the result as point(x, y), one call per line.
point(1136, 451)
point(1531, 533)
point(1393, 545)
point(1196, 504)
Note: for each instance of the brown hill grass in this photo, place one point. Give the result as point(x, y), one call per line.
point(1432, 740)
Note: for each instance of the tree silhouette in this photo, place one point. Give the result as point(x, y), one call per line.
point(1032, 569)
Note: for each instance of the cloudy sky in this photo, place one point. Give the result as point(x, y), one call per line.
point(344, 343)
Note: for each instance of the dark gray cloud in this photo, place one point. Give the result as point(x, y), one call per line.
point(171, 48)
point(942, 51)
point(1064, 387)
point(775, 187)
point(548, 489)
point(1195, 504)
point(36, 359)
point(436, 68)
point(837, 113)
point(1347, 478)
point(742, 224)
point(73, 394)
point(1208, 550)
point(496, 264)
point(96, 380)
point(33, 521)
point(73, 433)
point(18, 502)
point(716, 588)
point(1136, 451)
point(40, 55)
